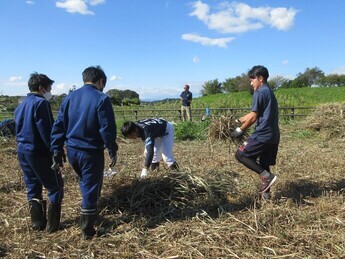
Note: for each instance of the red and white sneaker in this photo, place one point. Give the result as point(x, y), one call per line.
point(267, 182)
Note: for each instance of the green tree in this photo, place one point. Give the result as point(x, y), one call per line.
point(310, 77)
point(211, 87)
point(332, 80)
point(236, 84)
point(72, 89)
point(126, 97)
point(277, 81)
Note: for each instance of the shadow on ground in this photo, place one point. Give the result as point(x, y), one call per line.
point(301, 189)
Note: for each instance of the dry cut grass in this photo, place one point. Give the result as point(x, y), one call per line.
point(209, 210)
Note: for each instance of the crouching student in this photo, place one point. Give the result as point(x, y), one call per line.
point(158, 135)
point(33, 122)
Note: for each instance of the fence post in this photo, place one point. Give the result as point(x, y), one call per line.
point(136, 115)
point(180, 114)
point(293, 113)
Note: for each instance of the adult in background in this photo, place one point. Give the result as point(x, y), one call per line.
point(33, 123)
point(263, 143)
point(186, 98)
point(158, 135)
point(86, 123)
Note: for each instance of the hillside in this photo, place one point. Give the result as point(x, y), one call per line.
point(293, 97)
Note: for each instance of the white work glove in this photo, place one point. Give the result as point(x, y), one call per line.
point(143, 173)
point(237, 132)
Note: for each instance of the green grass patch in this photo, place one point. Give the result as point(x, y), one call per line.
point(191, 131)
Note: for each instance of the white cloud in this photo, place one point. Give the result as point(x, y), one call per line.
point(339, 71)
point(62, 88)
point(114, 77)
point(220, 42)
point(30, 2)
point(79, 6)
point(196, 59)
point(15, 84)
point(285, 62)
point(239, 17)
point(14, 78)
point(96, 2)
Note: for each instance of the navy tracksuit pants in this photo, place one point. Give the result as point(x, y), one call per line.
point(89, 166)
point(37, 173)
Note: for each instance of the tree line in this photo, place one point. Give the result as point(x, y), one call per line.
point(117, 97)
point(310, 77)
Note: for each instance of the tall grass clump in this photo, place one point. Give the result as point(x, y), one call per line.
point(191, 130)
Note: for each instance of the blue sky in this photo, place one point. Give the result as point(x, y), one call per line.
point(155, 47)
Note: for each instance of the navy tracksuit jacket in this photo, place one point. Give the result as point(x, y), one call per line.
point(86, 124)
point(34, 120)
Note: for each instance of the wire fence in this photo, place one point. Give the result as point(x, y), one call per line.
point(197, 114)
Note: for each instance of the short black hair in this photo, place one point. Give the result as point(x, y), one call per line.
point(258, 71)
point(128, 128)
point(36, 80)
point(94, 74)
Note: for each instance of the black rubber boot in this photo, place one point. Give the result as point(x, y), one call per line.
point(54, 215)
point(38, 210)
point(174, 167)
point(155, 166)
point(87, 221)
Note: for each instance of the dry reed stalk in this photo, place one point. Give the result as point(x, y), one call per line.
point(221, 129)
point(328, 119)
point(306, 218)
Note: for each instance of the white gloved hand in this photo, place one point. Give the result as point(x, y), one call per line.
point(237, 132)
point(143, 173)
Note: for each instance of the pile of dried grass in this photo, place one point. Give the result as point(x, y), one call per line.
point(220, 129)
point(167, 196)
point(329, 120)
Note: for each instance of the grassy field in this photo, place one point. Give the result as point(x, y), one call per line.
point(294, 97)
point(211, 209)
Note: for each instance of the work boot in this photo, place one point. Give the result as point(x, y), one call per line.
point(174, 167)
point(38, 210)
point(54, 215)
point(155, 166)
point(87, 221)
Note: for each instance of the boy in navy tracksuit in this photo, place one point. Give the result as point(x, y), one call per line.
point(158, 135)
point(86, 123)
point(263, 143)
point(34, 121)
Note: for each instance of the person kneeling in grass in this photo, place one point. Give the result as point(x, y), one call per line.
point(158, 135)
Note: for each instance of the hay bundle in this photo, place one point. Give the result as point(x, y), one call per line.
point(170, 196)
point(329, 120)
point(220, 129)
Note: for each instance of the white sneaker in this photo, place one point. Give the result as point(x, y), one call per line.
point(143, 173)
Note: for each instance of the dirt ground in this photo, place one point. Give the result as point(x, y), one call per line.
point(209, 210)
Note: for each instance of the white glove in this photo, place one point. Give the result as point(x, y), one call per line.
point(143, 173)
point(237, 132)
